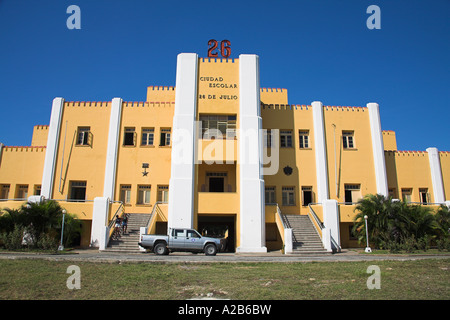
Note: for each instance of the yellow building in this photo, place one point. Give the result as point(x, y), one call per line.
point(222, 155)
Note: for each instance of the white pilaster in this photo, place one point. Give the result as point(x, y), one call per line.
point(181, 185)
point(99, 229)
point(436, 175)
point(252, 207)
point(320, 152)
point(331, 221)
point(51, 152)
point(378, 149)
point(113, 147)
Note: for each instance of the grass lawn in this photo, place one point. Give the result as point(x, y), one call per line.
point(40, 279)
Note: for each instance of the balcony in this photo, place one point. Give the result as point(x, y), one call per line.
point(218, 202)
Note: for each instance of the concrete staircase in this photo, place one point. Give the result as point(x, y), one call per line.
point(305, 238)
point(128, 242)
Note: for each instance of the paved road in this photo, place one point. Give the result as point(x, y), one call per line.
point(96, 256)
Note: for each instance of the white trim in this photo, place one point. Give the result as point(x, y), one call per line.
point(331, 221)
point(378, 149)
point(436, 175)
point(182, 175)
point(113, 147)
point(320, 152)
point(99, 228)
point(51, 151)
point(252, 206)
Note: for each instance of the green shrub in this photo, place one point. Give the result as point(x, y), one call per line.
point(13, 240)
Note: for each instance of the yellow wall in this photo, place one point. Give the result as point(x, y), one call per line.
point(130, 158)
point(79, 162)
point(21, 166)
point(160, 94)
point(389, 140)
point(445, 168)
point(40, 134)
point(295, 118)
point(409, 169)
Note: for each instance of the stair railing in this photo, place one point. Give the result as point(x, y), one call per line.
point(120, 209)
point(286, 233)
point(334, 245)
point(315, 217)
point(153, 215)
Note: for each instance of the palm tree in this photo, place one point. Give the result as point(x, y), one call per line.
point(421, 221)
point(442, 218)
point(379, 211)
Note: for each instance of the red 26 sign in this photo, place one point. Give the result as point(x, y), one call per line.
point(225, 49)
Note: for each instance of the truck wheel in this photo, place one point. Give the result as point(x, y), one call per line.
point(161, 249)
point(210, 250)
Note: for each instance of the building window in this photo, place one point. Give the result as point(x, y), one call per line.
point(144, 194)
point(348, 139)
point(147, 136)
point(424, 195)
point(392, 193)
point(216, 181)
point(125, 194)
point(77, 190)
point(129, 137)
point(84, 136)
point(22, 191)
point(286, 138)
point(307, 196)
point(270, 195)
point(163, 193)
point(37, 190)
point(406, 194)
point(5, 191)
point(352, 193)
point(288, 196)
point(218, 126)
point(165, 137)
point(303, 139)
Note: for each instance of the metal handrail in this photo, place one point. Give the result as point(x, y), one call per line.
point(153, 215)
point(311, 210)
point(121, 206)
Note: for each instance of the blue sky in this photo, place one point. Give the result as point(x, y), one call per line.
point(318, 50)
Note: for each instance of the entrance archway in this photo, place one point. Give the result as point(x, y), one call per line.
point(219, 226)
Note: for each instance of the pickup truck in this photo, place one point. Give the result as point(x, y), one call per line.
point(180, 239)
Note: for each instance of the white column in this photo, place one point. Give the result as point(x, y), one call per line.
point(331, 222)
point(100, 210)
point(436, 175)
point(378, 149)
point(320, 152)
point(181, 185)
point(251, 184)
point(51, 151)
point(99, 229)
point(113, 147)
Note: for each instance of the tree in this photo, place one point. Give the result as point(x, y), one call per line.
point(380, 212)
point(442, 218)
point(41, 222)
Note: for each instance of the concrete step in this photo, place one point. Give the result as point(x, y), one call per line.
point(306, 239)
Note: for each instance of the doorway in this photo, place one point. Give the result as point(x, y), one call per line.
point(223, 226)
point(216, 184)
